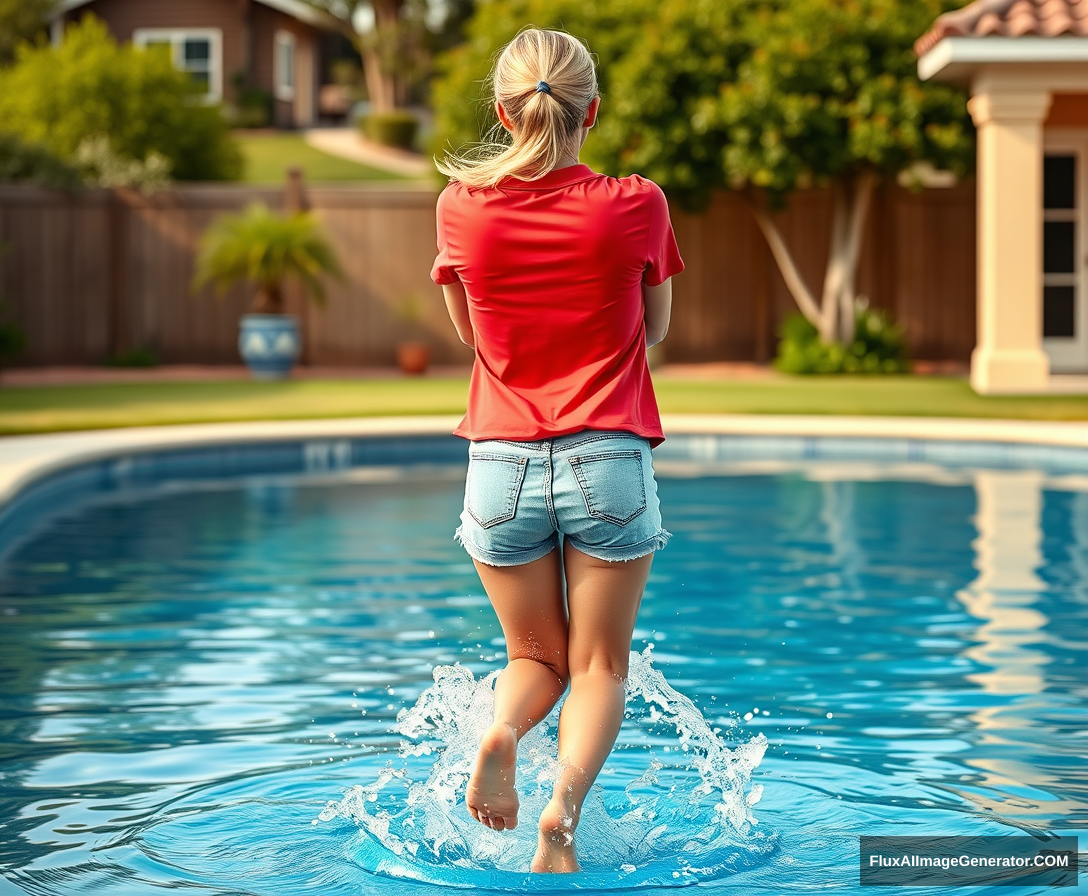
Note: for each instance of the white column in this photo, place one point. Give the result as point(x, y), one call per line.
point(1008, 551)
point(1009, 355)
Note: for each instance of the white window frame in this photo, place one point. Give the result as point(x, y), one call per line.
point(176, 38)
point(283, 89)
point(1071, 355)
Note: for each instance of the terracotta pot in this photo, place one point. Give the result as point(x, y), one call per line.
point(413, 357)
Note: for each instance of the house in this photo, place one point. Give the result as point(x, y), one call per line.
point(228, 46)
point(1026, 65)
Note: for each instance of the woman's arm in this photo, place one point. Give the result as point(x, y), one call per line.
point(658, 302)
point(457, 306)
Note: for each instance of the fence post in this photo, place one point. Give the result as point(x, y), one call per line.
point(294, 201)
point(118, 276)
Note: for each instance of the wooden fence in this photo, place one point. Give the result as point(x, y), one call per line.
point(101, 272)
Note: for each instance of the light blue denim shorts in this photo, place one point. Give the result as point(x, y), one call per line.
point(595, 489)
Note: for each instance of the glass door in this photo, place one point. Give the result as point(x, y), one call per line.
point(1065, 251)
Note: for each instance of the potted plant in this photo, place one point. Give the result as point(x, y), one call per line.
point(413, 355)
point(266, 248)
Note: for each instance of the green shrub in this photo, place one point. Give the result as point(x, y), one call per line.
point(103, 167)
point(878, 347)
point(134, 357)
point(88, 86)
point(252, 107)
point(390, 128)
point(31, 163)
point(12, 337)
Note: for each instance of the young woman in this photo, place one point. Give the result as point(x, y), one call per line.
point(559, 278)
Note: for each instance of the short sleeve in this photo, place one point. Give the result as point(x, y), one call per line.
point(442, 271)
point(662, 254)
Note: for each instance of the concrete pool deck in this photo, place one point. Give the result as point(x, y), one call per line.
point(25, 460)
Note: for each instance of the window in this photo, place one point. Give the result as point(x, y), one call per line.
point(285, 66)
point(198, 52)
point(1065, 249)
point(1059, 246)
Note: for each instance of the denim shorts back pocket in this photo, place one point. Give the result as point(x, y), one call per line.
point(612, 484)
point(494, 483)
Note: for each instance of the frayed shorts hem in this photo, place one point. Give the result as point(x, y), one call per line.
point(513, 558)
point(616, 554)
point(620, 553)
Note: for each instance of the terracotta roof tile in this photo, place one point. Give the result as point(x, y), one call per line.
point(1008, 18)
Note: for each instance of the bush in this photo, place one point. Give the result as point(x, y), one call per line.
point(134, 357)
point(390, 128)
point(89, 86)
point(878, 347)
point(31, 163)
point(102, 167)
point(253, 106)
point(12, 337)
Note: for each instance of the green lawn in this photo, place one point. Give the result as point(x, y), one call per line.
point(268, 156)
point(100, 406)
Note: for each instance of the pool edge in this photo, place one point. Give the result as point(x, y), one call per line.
point(26, 460)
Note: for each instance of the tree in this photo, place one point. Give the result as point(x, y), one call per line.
point(461, 95)
point(761, 96)
point(22, 20)
point(393, 51)
point(825, 92)
point(90, 87)
point(831, 96)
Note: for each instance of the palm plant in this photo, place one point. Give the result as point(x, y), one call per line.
point(265, 249)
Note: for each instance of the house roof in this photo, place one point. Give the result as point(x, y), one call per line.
point(1008, 18)
point(294, 8)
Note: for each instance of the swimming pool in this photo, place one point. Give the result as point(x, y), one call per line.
point(206, 652)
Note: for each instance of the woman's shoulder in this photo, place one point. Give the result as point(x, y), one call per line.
point(636, 191)
point(638, 183)
point(634, 187)
point(452, 190)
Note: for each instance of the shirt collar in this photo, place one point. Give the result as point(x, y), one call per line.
point(553, 180)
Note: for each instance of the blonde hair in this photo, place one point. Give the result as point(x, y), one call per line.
point(545, 120)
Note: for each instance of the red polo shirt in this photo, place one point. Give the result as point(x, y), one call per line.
point(553, 269)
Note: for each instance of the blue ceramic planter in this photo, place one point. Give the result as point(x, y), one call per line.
point(269, 344)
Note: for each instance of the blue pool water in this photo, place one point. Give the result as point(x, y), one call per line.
point(202, 684)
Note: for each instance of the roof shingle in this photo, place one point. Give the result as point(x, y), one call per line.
point(1008, 18)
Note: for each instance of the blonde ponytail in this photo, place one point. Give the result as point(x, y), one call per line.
point(545, 80)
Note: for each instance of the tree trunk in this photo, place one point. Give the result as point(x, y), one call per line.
point(269, 299)
point(833, 316)
point(380, 84)
point(381, 79)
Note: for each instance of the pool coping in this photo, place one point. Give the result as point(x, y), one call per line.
point(26, 460)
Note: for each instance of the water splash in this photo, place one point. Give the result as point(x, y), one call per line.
point(686, 814)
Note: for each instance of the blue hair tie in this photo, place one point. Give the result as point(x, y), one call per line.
point(542, 87)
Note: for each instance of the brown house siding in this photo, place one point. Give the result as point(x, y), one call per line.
point(125, 17)
point(265, 23)
point(248, 31)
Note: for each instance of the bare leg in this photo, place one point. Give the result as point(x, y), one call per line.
point(603, 599)
point(528, 600)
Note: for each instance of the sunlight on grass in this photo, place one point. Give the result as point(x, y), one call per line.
point(268, 156)
point(101, 406)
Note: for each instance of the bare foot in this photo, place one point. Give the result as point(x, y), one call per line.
point(555, 844)
point(491, 797)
